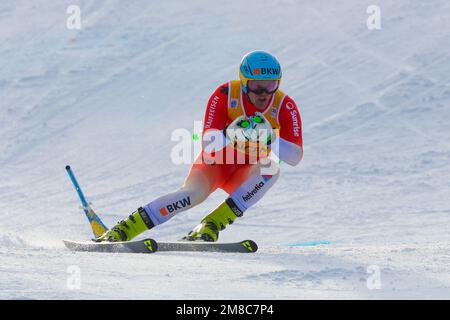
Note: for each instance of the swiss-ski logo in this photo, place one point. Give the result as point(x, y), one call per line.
point(273, 113)
point(183, 203)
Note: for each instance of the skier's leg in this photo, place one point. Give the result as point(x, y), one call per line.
point(194, 191)
point(196, 188)
point(246, 186)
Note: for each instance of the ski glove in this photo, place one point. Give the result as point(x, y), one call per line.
point(251, 136)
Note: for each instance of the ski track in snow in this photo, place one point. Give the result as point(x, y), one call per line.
point(375, 107)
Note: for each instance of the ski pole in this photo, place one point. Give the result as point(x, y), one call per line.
point(98, 228)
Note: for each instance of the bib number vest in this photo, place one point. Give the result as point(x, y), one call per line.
point(271, 112)
point(236, 104)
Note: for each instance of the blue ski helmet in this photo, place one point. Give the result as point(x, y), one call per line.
point(259, 65)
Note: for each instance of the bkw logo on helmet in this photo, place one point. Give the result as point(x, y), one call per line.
point(268, 71)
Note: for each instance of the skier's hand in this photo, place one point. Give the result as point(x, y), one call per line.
point(235, 130)
point(264, 131)
point(251, 136)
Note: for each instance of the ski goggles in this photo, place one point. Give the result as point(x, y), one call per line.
point(260, 86)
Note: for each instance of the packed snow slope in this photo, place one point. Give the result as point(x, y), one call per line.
point(106, 98)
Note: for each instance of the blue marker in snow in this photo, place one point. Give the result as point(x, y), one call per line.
point(309, 243)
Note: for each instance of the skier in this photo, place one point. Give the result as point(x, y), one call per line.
point(254, 101)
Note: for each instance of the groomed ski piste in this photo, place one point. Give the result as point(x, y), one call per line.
point(366, 214)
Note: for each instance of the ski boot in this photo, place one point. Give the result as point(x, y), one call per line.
point(127, 229)
point(209, 227)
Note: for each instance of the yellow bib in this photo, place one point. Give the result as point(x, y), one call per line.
point(236, 104)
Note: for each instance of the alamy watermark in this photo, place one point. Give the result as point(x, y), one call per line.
point(73, 22)
point(374, 280)
point(232, 148)
point(373, 22)
point(74, 278)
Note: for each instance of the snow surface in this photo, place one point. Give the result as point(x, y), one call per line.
point(374, 181)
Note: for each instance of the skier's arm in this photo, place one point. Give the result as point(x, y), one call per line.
point(289, 147)
point(215, 137)
point(216, 117)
